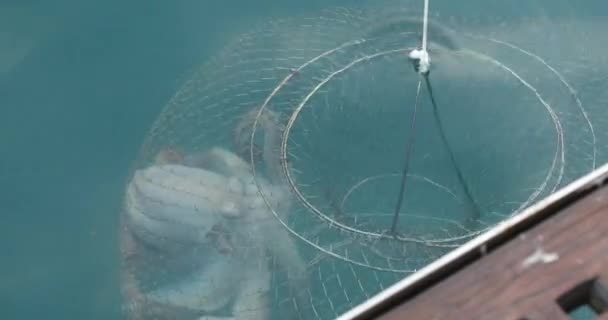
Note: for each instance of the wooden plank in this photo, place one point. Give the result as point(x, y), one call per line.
point(525, 277)
point(547, 311)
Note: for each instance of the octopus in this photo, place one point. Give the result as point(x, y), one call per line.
point(199, 234)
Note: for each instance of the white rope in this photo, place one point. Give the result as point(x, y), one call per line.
point(425, 24)
point(420, 57)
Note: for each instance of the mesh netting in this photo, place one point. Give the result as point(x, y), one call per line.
point(267, 187)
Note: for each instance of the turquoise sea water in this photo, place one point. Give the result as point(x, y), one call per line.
point(80, 84)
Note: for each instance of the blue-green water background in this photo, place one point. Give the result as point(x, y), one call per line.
point(73, 114)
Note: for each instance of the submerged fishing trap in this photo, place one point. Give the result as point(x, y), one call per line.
point(363, 158)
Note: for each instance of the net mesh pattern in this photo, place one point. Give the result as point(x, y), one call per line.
point(338, 89)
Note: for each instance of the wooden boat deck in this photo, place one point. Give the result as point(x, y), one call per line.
point(541, 266)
